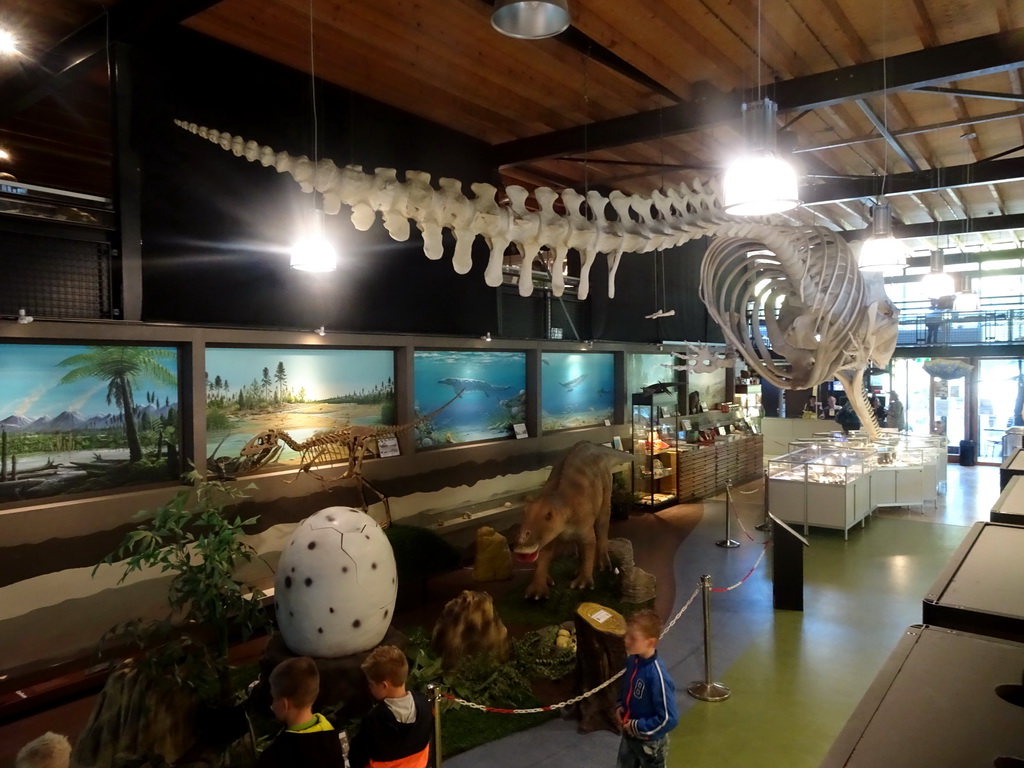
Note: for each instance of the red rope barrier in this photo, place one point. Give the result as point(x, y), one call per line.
point(752, 569)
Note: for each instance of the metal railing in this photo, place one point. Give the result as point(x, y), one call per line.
point(985, 326)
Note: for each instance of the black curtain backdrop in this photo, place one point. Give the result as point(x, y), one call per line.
point(217, 229)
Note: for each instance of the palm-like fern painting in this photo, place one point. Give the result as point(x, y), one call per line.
point(86, 418)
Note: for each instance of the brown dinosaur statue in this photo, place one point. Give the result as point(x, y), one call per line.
point(323, 449)
point(573, 504)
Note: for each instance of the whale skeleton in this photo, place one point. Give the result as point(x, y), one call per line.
point(831, 320)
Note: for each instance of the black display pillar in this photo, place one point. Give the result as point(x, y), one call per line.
point(787, 566)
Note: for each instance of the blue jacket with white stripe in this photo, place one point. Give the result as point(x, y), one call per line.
point(647, 696)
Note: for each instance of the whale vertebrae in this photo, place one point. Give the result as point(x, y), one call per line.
point(640, 223)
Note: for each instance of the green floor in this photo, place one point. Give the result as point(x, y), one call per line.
point(796, 684)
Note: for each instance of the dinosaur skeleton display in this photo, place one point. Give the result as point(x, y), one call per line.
point(351, 444)
point(830, 321)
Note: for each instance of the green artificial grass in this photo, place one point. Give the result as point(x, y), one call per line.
point(515, 609)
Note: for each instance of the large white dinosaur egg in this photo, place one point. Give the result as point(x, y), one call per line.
point(336, 584)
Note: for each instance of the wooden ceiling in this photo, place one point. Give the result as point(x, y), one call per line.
point(646, 93)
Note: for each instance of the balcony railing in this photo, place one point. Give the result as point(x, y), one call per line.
point(985, 326)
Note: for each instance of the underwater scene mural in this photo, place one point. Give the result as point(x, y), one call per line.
point(644, 370)
point(493, 386)
point(577, 389)
point(300, 391)
point(77, 418)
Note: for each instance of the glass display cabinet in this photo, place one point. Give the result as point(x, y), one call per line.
point(655, 428)
point(820, 485)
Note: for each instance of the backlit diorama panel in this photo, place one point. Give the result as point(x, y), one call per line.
point(577, 389)
point(76, 418)
point(644, 370)
point(303, 392)
point(493, 387)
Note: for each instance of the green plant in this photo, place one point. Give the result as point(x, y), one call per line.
point(623, 498)
point(209, 608)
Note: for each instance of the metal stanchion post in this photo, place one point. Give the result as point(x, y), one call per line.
point(766, 525)
point(706, 690)
point(727, 542)
point(432, 698)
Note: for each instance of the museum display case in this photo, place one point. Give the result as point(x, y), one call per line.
point(655, 430)
point(1009, 507)
point(748, 398)
point(821, 486)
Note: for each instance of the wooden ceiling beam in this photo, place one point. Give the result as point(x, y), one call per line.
point(1000, 52)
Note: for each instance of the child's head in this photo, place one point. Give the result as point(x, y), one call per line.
point(294, 685)
point(386, 669)
point(643, 629)
point(51, 750)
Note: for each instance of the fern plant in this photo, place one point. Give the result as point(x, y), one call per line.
point(208, 607)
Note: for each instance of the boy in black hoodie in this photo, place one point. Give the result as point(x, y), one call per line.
point(308, 739)
point(396, 731)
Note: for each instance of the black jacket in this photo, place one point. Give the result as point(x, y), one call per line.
point(294, 749)
point(382, 738)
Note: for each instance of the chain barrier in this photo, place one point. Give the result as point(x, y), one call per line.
point(728, 492)
point(753, 568)
point(574, 699)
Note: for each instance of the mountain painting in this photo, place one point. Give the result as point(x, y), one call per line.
point(302, 392)
point(577, 389)
point(492, 399)
point(81, 418)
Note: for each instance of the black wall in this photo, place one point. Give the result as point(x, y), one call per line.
point(216, 229)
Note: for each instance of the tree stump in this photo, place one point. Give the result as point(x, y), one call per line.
point(600, 653)
point(135, 715)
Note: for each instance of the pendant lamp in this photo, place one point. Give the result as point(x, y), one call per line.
point(937, 283)
point(313, 253)
point(760, 182)
point(967, 301)
point(882, 252)
point(531, 19)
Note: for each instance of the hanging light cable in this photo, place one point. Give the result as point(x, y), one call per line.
point(313, 252)
point(882, 252)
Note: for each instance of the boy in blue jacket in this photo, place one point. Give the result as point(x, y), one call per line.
point(647, 697)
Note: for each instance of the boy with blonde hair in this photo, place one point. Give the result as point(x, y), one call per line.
point(308, 739)
point(396, 732)
point(647, 696)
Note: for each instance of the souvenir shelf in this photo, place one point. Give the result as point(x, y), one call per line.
point(655, 437)
point(748, 397)
point(820, 486)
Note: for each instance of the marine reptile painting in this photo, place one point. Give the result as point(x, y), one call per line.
point(493, 387)
point(577, 389)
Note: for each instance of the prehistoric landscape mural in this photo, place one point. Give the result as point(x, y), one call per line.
point(493, 386)
point(77, 418)
point(577, 389)
point(300, 391)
